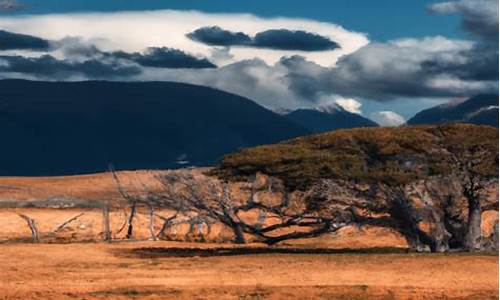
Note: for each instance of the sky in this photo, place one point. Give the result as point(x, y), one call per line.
point(381, 19)
point(385, 59)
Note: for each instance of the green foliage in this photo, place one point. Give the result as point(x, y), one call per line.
point(391, 155)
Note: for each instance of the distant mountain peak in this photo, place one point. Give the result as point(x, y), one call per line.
point(328, 109)
point(480, 109)
point(327, 118)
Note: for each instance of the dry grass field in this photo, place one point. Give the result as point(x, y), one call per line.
point(120, 271)
point(318, 268)
point(91, 186)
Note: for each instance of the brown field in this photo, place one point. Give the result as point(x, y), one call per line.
point(67, 266)
point(116, 271)
point(92, 186)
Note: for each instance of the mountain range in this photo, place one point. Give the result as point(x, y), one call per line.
point(321, 120)
point(60, 128)
point(53, 128)
point(481, 109)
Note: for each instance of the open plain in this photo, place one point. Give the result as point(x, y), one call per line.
point(156, 270)
point(354, 263)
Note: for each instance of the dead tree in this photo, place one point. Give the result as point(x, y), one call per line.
point(167, 222)
point(212, 199)
point(106, 222)
point(67, 222)
point(33, 228)
point(132, 201)
point(145, 197)
point(152, 217)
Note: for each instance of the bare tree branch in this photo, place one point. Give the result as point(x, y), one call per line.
point(65, 223)
point(33, 228)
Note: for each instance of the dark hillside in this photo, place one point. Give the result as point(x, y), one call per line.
point(56, 128)
point(320, 121)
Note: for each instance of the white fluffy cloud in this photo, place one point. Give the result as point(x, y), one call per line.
point(135, 31)
point(349, 104)
point(387, 118)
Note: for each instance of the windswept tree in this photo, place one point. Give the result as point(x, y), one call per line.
point(391, 177)
point(397, 205)
point(397, 165)
point(212, 199)
point(472, 157)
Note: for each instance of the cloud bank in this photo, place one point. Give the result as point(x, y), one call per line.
point(138, 30)
point(50, 68)
point(163, 57)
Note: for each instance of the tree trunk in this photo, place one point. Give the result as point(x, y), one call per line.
point(455, 227)
point(152, 222)
point(106, 223)
point(130, 229)
point(494, 237)
point(325, 228)
point(33, 228)
point(440, 235)
point(239, 237)
point(167, 222)
point(402, 212)
point(473, 234)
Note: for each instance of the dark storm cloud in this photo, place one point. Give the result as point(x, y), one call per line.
point(394, 74)
point(216, 36)
point(85, 60)
point(155, 57)
point(283, 39)
point(48, 66)
point(387, 71)
point(279, 39)
point(404, 69)
point(480, 18)
point(164, 58)
point(16, 41)
point(304, 78)
point(480, 63)
point(412, 68)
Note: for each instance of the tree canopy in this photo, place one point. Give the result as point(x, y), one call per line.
point(394, 156)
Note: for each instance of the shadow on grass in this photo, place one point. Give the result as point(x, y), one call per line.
point(225, 251)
